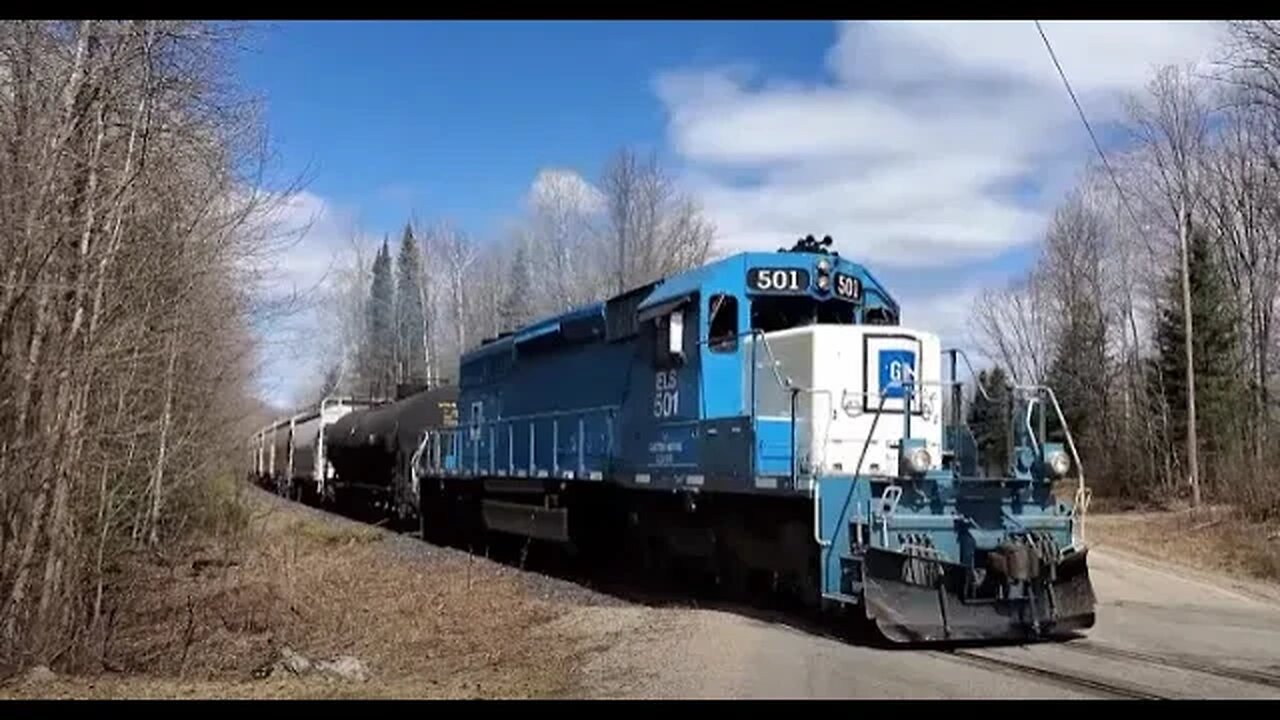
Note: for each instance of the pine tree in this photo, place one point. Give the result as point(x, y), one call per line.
point(1215, 348)
point(989, 421)
point(381, 342)
point(514, 311)
point(1077, 374)
point(411, 355)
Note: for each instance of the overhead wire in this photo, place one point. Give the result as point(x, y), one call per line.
point(1089, 128)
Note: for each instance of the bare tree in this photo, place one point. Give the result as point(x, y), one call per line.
point(134, 256)
point(561, 232)
point(457, 255)
point(1173, 128)
point(1240, 205)
point(652, 228)
point(1014, 327)
point(343, 323)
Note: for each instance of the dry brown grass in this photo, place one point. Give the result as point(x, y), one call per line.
point(1213, 538)
point(200, 624)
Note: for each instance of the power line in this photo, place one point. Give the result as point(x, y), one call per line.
point(1097, 146)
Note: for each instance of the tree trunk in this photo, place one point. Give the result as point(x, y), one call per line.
point(1193, 463)
point(157, 484)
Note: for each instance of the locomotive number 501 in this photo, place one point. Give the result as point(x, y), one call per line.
point(848, 286)
point(778, 280)
point(666, 394)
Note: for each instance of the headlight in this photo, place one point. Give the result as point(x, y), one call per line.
point(823, 265)
point(919, 460)
point(1059, 463)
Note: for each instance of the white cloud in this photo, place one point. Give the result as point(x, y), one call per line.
point(308, 231)
point(910, 155)
point(561, 187)
point(310, 235)
point(1097, 55)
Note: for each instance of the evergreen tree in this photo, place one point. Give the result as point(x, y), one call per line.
point(1077, 376)
point(1215, 348)
point(411, 355)
point(989, 421)
point(381, 342)
point(515, 311)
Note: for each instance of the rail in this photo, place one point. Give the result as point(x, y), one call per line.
point(857, 470)
point(908, 389)
point(976, 382)
point(1083, 494)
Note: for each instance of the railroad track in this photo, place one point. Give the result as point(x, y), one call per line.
point(1039, 668)
point(1104, 686)
point(1245, 675)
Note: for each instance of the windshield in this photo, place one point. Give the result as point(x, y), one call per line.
point(780, 313)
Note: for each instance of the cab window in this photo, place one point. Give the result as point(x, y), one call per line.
point(770, 313)
point(723, 333)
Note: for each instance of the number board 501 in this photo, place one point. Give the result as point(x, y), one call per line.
point(848, 287)
point(778, 280)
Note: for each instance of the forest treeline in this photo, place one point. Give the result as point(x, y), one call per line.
point(133, 249)
point(1100, 316)
point(404, 316)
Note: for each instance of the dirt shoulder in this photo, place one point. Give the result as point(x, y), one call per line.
point(414, 620)
point(1209, 540)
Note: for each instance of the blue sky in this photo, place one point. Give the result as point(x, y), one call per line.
point(930, 151)
point(456, 118)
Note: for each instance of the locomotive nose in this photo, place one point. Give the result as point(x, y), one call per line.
point(1023, 586)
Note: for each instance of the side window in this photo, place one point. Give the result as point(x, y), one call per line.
point(669, 345)
point(477, 418)
point(723, 334)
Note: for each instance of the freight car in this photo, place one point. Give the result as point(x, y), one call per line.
point(290, 456)
point(766, 416)
point(371, 450)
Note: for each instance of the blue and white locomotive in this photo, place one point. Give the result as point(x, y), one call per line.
point(767, 417)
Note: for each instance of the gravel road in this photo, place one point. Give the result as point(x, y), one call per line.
point(1161, 634)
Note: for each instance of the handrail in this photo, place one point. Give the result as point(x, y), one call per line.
point(532, 416)
point(458, 439)
point(976, 382)
point(1031, 433)
point(791, 386)
point(1071, 444)
point(817, 516)
point(413, 465)
point(773, 364)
